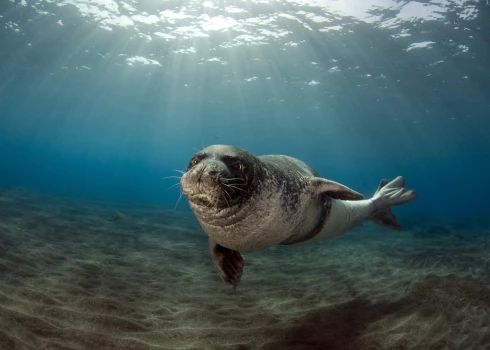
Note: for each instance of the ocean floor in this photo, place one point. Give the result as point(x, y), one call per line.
point(82, 275)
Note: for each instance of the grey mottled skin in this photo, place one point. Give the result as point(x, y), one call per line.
point(247, 203)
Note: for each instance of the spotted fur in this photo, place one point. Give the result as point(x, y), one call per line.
point(273, 208)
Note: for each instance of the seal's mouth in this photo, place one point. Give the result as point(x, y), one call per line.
point(209, 193)
point(202, 199)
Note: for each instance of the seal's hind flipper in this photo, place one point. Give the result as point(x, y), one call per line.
point(228, 263)
point(386, 219)
point(333, 189)
point(390, 194)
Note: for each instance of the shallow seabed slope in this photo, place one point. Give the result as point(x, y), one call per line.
point(82, 275)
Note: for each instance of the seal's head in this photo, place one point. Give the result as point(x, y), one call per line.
point(219, 176)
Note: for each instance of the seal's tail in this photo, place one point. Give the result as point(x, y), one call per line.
point(390, 194)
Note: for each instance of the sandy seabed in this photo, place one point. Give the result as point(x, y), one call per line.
point(82, 275)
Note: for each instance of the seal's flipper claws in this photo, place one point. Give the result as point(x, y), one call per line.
point(228, 263)
point(382, 184)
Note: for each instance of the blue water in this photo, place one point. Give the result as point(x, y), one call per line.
point(103, 102)
point(103, 99)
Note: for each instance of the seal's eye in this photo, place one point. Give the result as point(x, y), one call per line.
point(234, 163)
point(238, 166)
point(194, 161)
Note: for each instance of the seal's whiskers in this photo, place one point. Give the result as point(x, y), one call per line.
point(229, 197)
point(178, 200)
point(171, 177)
point(232, 178)
point(234, 187)
point(177, 184)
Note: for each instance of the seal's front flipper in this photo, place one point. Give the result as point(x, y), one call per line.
point(333, 189)
point(228, 263)
point(390, 194)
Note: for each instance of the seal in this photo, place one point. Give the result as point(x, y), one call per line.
point(246, 203)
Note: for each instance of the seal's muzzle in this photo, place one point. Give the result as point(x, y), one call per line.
point(208, 183)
